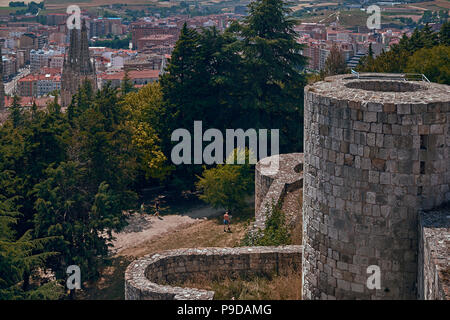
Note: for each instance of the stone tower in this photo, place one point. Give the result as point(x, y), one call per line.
point(377, 151)
point(2, 87)
point(78, 66)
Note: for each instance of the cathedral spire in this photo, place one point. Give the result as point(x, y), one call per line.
point(85, 61)
point(1, 60)
point(74, 50)
point(2, 87)
point(77, 66)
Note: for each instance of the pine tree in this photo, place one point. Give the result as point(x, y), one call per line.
point(127, 84)
point(429, 37)
point(444, 34)
point(396, 59)
point(182, 85)
point(370, 51)
point(82, 217)
point(273, 80)
point(180, 76)
point(16, 115)
point(20, 257)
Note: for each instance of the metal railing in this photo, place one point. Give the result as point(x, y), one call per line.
point(391, 76)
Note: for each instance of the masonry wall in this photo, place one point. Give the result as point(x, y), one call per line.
point(434, 255)
point(376, 151)
point(275, 176)
point(149, 278)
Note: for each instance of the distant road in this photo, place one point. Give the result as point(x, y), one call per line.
point(9, 86)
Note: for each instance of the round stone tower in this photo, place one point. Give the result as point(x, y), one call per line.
point(376, 151)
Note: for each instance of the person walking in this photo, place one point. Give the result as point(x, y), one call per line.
point(157, 208)
point(226, 222)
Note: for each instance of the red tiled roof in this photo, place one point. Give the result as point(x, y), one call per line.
point(36, 77)
point(133, 74)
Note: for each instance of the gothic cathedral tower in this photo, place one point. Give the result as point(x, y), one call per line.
point(78, 66)
point(2, 88)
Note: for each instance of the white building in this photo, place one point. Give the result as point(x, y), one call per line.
point(48, 83)
point(40, 59)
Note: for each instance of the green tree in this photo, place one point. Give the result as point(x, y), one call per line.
point(127, 84)
point(429, 38)
point(335, 63)
point(81, 101)
point(444, 34)
point(272, 72)
point(180, 77)
point(81, 197)
point(395, 60)
point(191, 91)
point(16, 115)
point(19, 258)
point(227, 185)
point(146, 113)
point(433, 62)
point(83, 218)
point(249, 76)
point(367, 62)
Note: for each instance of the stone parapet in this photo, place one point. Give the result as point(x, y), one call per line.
point(147, 278)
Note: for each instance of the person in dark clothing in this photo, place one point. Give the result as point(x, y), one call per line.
point(157, 208)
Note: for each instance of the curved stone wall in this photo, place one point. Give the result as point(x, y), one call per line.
point(143, 276)
point(274, 177)
point(376, 151)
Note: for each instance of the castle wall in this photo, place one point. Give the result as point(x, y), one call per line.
point(434, 252)
point(376, 151)
point(147, 278)
point(275, 176)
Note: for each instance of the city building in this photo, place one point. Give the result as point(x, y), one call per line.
point(38, 85)
point(41, 59)
point(137, 77)
point(9, 64)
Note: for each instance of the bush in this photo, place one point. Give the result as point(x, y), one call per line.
point(276, 232)
point(227, 185)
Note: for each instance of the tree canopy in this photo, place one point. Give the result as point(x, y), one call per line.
point(412, 54)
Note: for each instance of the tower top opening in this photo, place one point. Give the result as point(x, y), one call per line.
point(385, 86)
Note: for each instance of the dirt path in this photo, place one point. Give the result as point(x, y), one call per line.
point(142, 228)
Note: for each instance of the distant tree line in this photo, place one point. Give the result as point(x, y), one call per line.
point(32, 7)
point(115, 43)
point(424, 52)
point(15, 4)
